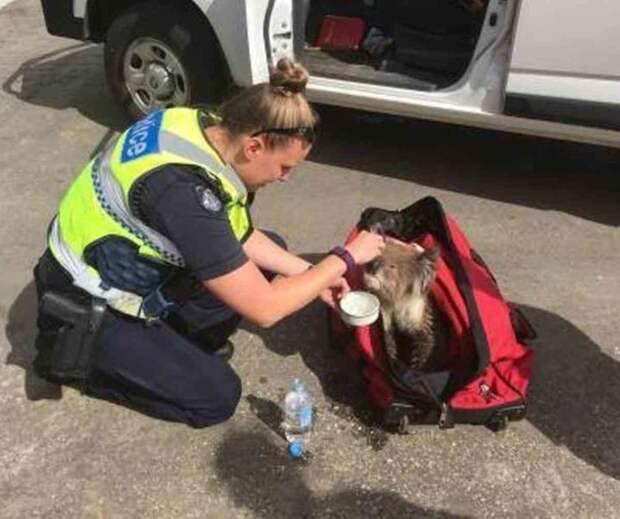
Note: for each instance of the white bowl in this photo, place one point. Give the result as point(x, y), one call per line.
point(359, 308)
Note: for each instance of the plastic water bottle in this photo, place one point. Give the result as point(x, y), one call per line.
point(297, 418)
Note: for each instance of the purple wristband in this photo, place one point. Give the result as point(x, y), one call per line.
point(345, 256)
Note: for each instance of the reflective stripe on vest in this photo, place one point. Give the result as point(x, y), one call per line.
point(111, 198)
point(86, 278)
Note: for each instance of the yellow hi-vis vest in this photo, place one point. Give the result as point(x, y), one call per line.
point(96, 205)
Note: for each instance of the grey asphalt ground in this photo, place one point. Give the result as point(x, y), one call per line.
point(543, 214)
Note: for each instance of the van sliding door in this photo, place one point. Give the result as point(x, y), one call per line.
point(566, 62)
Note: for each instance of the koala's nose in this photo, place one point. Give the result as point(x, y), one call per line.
point(372, 267)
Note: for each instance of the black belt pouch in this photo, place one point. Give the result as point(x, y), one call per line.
point(75, 343)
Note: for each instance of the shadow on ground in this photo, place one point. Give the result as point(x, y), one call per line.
point(577, 179)
point(574, 397)
point(71, 77)
point(20, 331)
point(261, 477)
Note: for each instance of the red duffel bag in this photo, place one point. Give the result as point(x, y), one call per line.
point(486, 366)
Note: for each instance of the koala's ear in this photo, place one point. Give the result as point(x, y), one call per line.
point(428, 267)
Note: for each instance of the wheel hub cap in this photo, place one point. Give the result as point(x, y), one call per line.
point(159, 81)
point(154, 76)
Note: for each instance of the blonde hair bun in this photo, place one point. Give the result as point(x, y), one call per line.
point(289, 77)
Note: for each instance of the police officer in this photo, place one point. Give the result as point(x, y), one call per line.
point(152, 259)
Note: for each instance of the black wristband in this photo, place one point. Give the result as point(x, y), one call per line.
point(345, 256)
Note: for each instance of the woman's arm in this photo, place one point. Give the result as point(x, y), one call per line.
point(247, 291)
point(269, 256)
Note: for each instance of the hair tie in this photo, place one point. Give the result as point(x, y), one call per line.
point(286, 92)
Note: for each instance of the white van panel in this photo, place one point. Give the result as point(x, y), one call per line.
point(582, 89)
point(241, 27)
point(560, 41)
point(230, 23)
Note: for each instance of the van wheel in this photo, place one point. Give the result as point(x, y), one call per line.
point(158, 56)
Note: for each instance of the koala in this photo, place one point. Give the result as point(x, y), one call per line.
point(414, 327)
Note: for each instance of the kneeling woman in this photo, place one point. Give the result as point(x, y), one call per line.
point(152, 260)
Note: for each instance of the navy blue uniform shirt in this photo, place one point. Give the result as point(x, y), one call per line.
point(178, 201)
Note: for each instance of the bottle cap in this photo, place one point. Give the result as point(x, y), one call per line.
point(295, 449)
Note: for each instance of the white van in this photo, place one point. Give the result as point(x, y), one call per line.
point(541, 67)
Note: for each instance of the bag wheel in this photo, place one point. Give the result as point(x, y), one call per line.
point(498, 423)
point(403, 424)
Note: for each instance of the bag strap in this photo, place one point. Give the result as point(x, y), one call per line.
point(429, 214)
point(521, 325)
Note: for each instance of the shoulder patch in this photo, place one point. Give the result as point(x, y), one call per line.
point(208, 199)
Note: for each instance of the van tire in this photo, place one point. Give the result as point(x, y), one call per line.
point(181, 36)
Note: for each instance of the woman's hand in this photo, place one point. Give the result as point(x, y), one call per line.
point(366, 247)
point(332, 294)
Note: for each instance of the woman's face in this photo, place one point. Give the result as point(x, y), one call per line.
point(264, 166)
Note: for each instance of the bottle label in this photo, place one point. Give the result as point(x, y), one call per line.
point(305, 417)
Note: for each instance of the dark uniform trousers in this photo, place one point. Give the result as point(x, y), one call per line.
point(167, 369)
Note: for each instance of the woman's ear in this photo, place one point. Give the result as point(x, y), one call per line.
point(253, 147)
